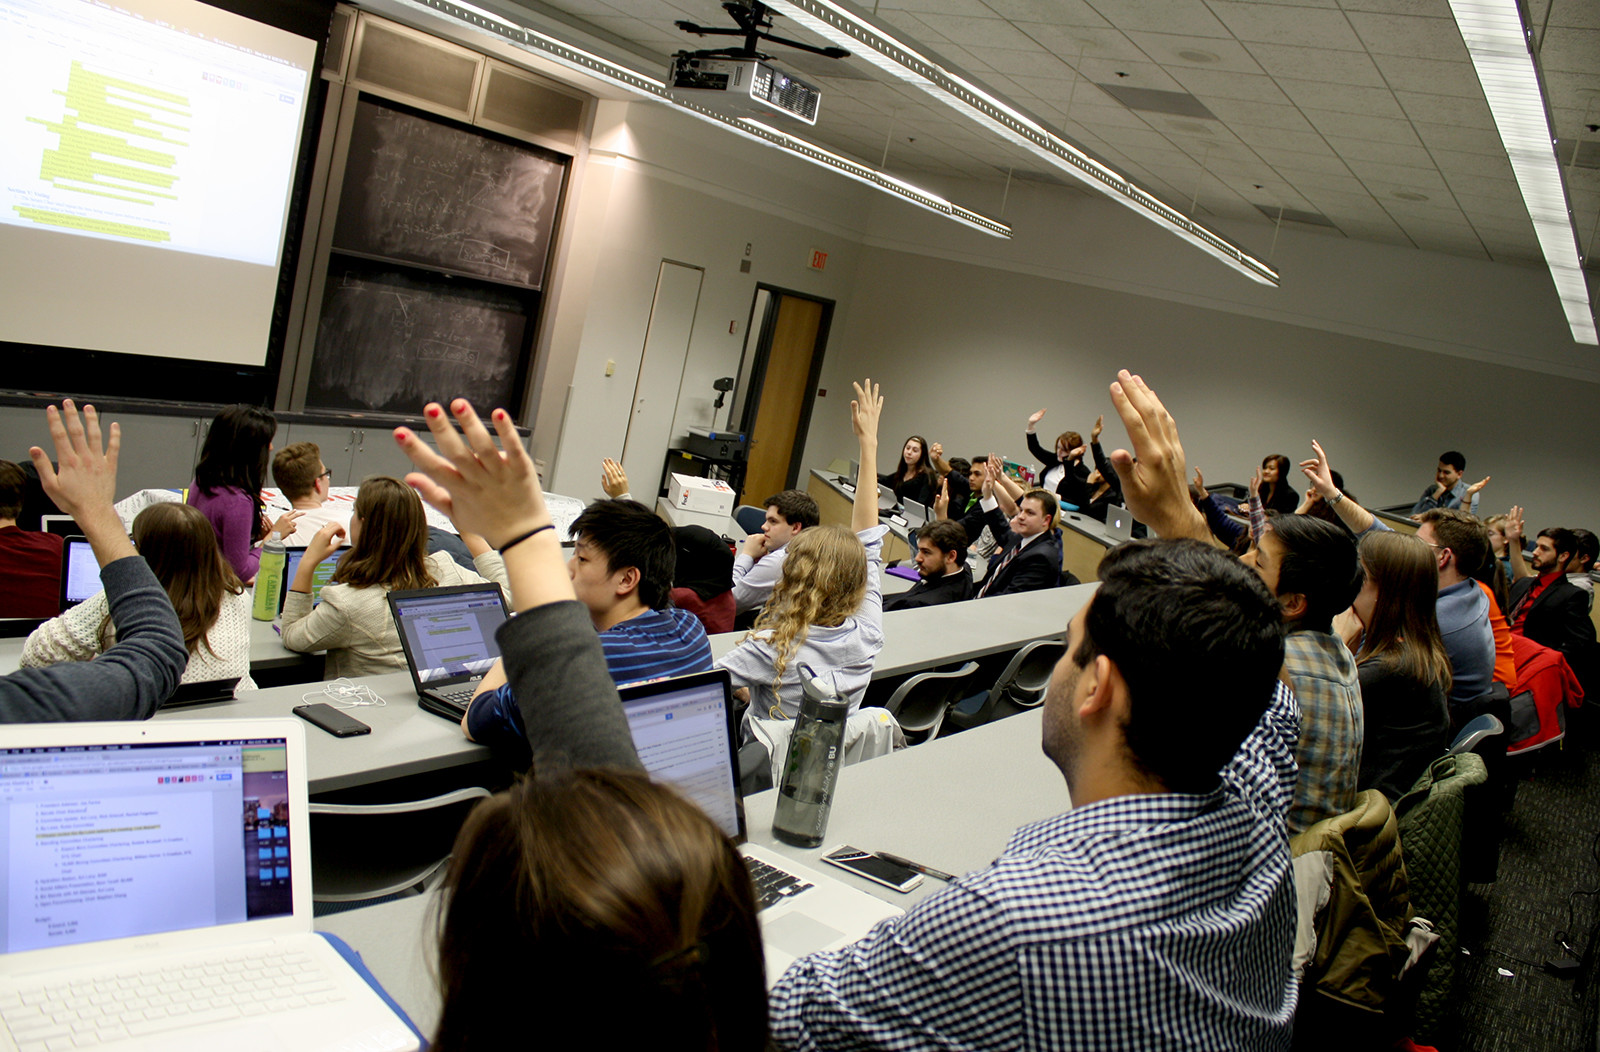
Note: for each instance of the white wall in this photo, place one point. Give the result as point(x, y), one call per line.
point(966, 352)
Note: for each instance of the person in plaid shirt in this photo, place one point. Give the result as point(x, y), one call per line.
point(1311, 566)
point(1159, 912)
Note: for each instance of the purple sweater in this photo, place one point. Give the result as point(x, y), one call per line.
point(232, 513)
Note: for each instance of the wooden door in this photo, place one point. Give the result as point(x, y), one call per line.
point(784, 396)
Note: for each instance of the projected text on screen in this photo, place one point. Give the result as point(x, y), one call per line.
point(139, 130)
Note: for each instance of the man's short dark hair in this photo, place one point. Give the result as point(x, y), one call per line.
point(1454, 459)
point(1046, 499)
point(13, 488)
point(796, 507)
point(1320, 563)
point(630, 534)
point(1169, 615)
point(960, 466)
point(1588, 546)
point(947, 535)
point(1562, 539)
point(981, 458)
point(1464, 534)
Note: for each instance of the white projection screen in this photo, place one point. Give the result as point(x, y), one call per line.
point(147, 154)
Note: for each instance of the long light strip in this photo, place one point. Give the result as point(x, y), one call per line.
point(1498, 44)
point(876, 46)
point(582, 61)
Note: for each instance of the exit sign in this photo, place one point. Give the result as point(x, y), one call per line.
point(819, 259)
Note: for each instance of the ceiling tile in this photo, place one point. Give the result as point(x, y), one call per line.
point(979, 32)
point(1054, 12)
point(1357, 126)
point(1467, 185)
point(1436, 38)
point(1382, 152)
point(1463, 140)
point(1069, 42)
point(890, 9)
point(1236, 112)
point(1326, 161)
point(1319, 184)
point(1567, 50)
point(1275, 24)
point(1186, 17)
point(1375, 174)
point(1342, 98)
point(1566, 13)
point(1227, 56)
point(1034, 63)
point(1211, 84)
point(1429, 8)
point(1446, 109)
point(1496, 210)
point(1123, 73)
point(1309, 63)
point(1410, 73)
point(1302, 142)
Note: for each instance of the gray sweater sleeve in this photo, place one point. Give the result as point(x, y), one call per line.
point(129, 681)
point(569, 703)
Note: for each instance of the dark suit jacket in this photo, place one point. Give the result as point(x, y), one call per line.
point(1036, 566)
point(949, 588)
point(1559, 618)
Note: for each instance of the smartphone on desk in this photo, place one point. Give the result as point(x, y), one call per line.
point(339, 724)
point(876, 869)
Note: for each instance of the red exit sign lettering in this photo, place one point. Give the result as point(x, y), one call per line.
point(819, 259)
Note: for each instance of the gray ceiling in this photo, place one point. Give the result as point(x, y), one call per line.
point(1362, 118)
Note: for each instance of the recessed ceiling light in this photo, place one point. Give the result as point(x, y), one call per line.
point(1199, 56)
point(1410, 195)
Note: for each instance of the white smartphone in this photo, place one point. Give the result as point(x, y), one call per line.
point(878, 870)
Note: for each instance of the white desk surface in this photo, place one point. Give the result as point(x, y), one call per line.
point(950, 804)
point(266, 650)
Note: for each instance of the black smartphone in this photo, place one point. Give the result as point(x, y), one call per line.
point(339, 724)
point(879, 870)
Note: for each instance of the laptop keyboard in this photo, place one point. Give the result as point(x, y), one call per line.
point(459, 698)
point(772, 884)
point(129, 1003)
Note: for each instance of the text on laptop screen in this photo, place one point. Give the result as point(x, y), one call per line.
point(113, 841)
point(82, 572)
point(319, 577)
point(451, 635)
point(682, 739)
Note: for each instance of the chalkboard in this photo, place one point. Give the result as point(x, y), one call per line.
point(421, 191)
point(390, 342)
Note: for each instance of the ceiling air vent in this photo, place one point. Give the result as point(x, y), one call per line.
point(1153, 100)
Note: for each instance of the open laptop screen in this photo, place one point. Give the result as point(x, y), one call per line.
point(110, 841)
point(319, 577)
point(80, 572)
point(684, 736)
point(449, 633)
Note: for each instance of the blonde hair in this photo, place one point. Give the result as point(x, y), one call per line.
point(823, 582)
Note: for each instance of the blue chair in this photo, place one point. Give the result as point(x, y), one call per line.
point(750, 518)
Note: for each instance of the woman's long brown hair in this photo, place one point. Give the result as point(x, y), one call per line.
point(391, 550)
point(181, 547)
point(1405, 622)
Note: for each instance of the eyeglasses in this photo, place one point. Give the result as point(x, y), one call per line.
point(326, 474)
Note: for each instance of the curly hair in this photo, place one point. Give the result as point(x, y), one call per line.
point(823, 582)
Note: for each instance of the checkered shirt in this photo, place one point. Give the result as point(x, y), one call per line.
point(1323, 672)
point(1144, 922)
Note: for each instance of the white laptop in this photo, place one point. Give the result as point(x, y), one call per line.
point(157, 887)
point(684, 731)
point(1119, 524)
point(917, 514)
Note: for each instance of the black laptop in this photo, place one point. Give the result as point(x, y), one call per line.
point(448, 637)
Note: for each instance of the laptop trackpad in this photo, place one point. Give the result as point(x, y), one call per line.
point(797, 935)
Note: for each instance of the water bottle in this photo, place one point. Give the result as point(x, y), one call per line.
point(269, 579)
point(811, 769)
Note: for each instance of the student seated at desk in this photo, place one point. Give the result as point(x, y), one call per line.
point(703, 582)
point(1028, 552)
point(30, 560)
point(621, 570)
point(587, 885)
point(227, 485)
point(942, 568)
point(132, 678)
point(760, 561)
point(388, 552)
point(211, 602)
point(305, 482)
point(827, 608)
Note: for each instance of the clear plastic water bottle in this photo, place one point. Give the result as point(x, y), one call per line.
point(805, 795)
point(269, 579)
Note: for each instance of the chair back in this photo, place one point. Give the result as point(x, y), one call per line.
point(369, 851)
point(1021, 686)
point(1476, 732)
point(750, 518)
point(921, 702)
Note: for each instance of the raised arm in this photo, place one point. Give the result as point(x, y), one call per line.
point(1353, 515)
point(865, 409)
point(1006, 490)
point(1153, 476)
point(552, 655)
point(1514, 527)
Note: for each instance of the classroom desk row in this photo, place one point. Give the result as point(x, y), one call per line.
point(951, 804)
point(267, 654)
point(407, 741)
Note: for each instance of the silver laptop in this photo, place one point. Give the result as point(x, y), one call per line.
point(1119, 524)
point(157, 889)
point(886, 498)
point(684, 731)
point(916, 514)
point(448, 638)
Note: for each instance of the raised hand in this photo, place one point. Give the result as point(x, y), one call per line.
point(484, 490)
point(85, 484)
point(941, 503)
point(1154, 479)
point(936, 451)
point(1472, 490)
point(285, 524)
point(1318, 472)
point(1076, 454)
point(865, 409)
point(1033, 421)
point(1255, 483)
point(1199, 482)
point(612, 478)
point(323, 543)
point(1099, 426)
point(1513, 527)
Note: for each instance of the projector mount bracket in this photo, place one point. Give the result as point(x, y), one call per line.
point(754, 22)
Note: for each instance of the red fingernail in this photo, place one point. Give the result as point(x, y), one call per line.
point(434, 411)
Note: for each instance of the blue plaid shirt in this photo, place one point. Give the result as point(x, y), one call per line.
point(1141, 922)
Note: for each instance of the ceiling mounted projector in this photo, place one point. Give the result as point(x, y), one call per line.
point(741, 87)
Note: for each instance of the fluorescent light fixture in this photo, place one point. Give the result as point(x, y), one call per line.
point(878, 47)
point(581, 61)
point(1498, 44)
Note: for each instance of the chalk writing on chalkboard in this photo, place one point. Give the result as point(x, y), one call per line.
point(388, 342)
point(421, 191)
